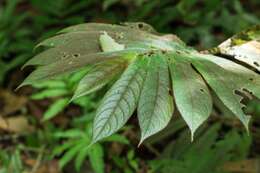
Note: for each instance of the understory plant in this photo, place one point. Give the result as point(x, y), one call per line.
point(205, 154)
point(154, 73)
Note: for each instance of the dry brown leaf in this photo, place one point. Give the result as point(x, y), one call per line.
point(10, 103)
point(46, 167)
point(244, 166)
point(248, 52)
point(18, 124)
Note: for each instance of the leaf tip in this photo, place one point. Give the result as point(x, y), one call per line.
point(24, 83)
point(29, 63)
point(246, 124)
point(25, 65)
point(77, 95)
point(192, 137)
point(192, 131)
point(140, 142)
point(143, 138)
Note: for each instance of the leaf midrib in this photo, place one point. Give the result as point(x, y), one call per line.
point(108, 72)
point(190, 98)
point(155, 101)
point(119, 100)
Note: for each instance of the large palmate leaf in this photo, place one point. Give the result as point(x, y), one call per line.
point(153, 71)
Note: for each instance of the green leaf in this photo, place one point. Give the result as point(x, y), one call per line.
point(128, 27)
point(243, 78)
point(50, 84)
point(68, 65)
point(78, 42)
point(96, 156)
point(49, 93)
point(191, 94)
point(99, 76)
point(70, 154)
point(155, 107)
point(55, 108)
point(224, 84)
point(61, 148)
point(81, 157)
point(133, 162)
point(126, 35)
point(84, 27)
point(75, 40)
point(120, 101)
point(117, 138)
point(71, 133)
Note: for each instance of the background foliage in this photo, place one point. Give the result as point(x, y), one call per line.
point(38, 133)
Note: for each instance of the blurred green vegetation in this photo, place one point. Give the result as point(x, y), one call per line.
point(204, 24)
point(200, 23)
